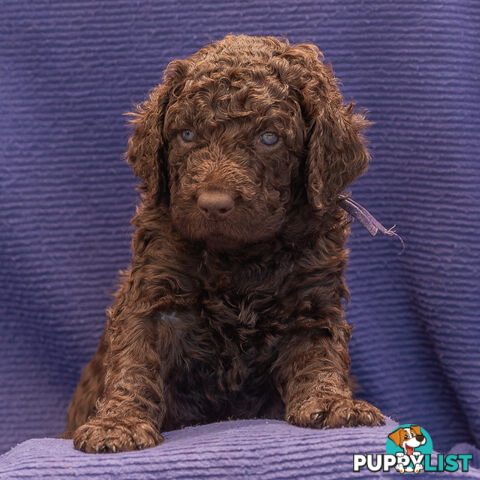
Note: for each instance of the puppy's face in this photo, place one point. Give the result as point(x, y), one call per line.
point(242, 132)
point(235, 144)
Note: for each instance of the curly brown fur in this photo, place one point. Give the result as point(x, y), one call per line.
point(238, 311)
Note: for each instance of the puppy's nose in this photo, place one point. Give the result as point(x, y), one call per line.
point(420, 438)
point(215, 204)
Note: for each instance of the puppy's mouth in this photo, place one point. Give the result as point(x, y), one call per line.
point(215, 234)
point(409, 449)
point(226, 240)
point(233, 233)
point(217, 240)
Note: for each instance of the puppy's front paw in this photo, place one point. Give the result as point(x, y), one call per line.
point(107, 435)
point(333, 411)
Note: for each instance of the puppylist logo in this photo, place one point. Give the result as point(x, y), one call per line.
point(409, 450)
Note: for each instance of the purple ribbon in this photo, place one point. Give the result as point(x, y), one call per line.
point(369, 222)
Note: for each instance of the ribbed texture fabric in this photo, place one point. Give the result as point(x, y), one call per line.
point(68, 70)
point(248, 449)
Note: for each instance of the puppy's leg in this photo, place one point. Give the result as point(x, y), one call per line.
point(312, 376)
point(89, 389)
point(130, 413)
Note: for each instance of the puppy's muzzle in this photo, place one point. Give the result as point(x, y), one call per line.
point(215, 205)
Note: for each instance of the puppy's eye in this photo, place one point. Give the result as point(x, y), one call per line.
point(269, 138)
point(188, 135)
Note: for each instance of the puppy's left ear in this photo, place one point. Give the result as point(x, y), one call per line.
point(147, 149)
point(397, 436)
point(336, 151)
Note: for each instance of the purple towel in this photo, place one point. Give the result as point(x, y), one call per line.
point(249, 449)
point(68, 70)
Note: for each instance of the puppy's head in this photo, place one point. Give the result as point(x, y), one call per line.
point(240, 134)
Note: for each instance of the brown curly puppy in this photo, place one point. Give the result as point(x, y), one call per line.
point(233, 306)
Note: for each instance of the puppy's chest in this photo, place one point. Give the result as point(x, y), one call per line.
point(239, 341)
point(241, 325)
point(230, 338)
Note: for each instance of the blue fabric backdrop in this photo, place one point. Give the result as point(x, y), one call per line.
point(69, 70)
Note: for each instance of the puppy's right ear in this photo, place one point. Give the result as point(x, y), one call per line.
point(416, 429)
point(147, 149)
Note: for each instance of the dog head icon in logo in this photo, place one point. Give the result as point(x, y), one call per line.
point(409, 442)
point(409, 438)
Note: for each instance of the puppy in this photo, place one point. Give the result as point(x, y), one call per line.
point(233, 306)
